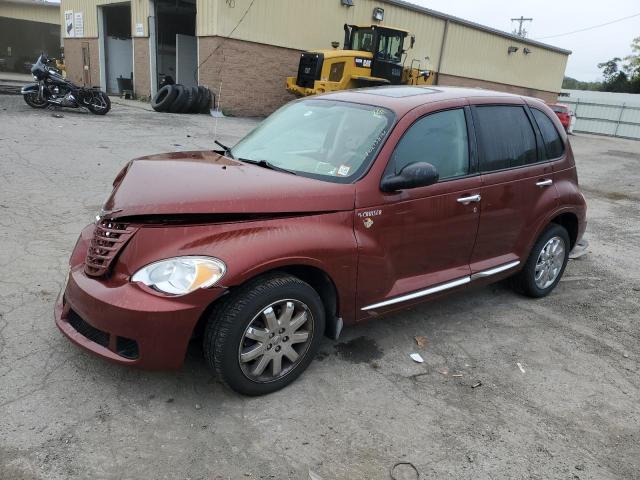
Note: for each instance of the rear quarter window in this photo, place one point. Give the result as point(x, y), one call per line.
point(505, 137)
point(553, 144)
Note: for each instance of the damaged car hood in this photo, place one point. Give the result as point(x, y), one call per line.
point(205, 182)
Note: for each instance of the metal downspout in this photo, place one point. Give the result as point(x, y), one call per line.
point(442, 50)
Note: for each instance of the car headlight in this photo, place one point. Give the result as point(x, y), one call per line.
point(181, 275)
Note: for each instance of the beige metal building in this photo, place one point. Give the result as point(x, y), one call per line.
point(27, 27)
point(245, 49)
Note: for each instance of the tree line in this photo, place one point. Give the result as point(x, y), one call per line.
point(619, 74)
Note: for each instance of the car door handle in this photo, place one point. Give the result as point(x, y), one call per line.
point(469, 199)
point(544, 183)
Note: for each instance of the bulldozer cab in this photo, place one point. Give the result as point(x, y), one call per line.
point(385, 44)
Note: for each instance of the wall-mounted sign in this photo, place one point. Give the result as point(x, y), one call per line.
point(78, 24)
point(68, 23)
point(139, 30)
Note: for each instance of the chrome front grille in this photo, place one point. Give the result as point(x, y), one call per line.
point(109, 236)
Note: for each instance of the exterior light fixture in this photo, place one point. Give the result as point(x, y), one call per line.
point(526, 51)
point(335, 44)
point(378, 14)
point(346, 3)
point(512, 49)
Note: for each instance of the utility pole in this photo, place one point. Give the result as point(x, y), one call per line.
point(521, 32)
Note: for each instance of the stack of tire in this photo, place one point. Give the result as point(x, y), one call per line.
point(181, 99)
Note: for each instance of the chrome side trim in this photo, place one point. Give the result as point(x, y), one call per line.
point(419, 293)
point(493, 271)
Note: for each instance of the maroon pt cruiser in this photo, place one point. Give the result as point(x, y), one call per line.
point(335, 210)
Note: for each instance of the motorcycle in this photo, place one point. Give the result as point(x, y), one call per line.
point(52, 89)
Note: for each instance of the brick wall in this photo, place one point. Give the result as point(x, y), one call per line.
point(141, 72)
point(73, 60)
point(253, 75)
point(451, 80)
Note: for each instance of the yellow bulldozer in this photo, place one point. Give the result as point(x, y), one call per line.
point(372, 55)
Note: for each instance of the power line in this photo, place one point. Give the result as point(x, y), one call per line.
point(589, 28)
point(224, 39)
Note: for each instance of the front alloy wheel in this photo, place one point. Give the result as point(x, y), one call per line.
point(276, 340)
point(264, 334)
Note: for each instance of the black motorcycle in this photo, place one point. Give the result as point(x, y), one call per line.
point(52, 89)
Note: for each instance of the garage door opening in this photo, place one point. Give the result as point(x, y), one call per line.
point(117, 47)
point(176, 48)
point(21, 42)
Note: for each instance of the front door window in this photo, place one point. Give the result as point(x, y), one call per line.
point(439, 139)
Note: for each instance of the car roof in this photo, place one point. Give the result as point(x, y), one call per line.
point(402, 98)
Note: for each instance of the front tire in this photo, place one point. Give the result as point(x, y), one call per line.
point(265, 334)
point(546, 263)
point(33, 100)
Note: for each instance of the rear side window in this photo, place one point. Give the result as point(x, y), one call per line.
point(505, 137)
point(553, 144)
point(439, 139)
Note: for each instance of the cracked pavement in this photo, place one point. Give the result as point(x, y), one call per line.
point(363, 405)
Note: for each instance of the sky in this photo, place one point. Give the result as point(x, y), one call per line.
point(551, 17)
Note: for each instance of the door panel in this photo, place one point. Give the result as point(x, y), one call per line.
point(388, 70)
point(186, 60)
point(417, 243)
point(119, 61)
point(511, 208)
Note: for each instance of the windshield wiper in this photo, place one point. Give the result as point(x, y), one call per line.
point(227, 150)
point(266, 164)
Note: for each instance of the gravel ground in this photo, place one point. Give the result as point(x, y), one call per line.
point(572, 410)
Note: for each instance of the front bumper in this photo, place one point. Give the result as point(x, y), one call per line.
point(126, 324)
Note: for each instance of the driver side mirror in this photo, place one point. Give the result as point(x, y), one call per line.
point(414, 175)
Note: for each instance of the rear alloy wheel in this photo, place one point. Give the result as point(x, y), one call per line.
point(546, 263)
point(550, 262)
point(265, 334)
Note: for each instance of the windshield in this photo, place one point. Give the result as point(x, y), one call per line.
point(323, 139)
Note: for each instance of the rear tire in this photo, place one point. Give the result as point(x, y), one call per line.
point(265, 334)
point(33, 100)
point(546, 263)
point(103, 108)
